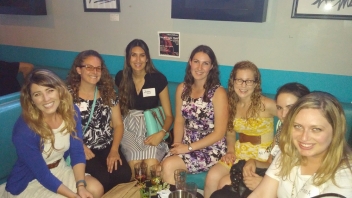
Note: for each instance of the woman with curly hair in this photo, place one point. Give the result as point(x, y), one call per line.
point(141, 86)
point(252, 173)
point(93, 92)
point(47, 131)
point(315, 160)
point(251, 116)
point(201, 117)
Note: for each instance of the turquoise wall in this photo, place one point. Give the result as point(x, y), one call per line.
point(338, 85)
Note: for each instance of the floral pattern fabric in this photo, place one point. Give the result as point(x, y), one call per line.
point(199, 122)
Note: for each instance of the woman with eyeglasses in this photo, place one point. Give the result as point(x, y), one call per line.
point(93, 92)
point(45, 133)
point(251, 116)
point(286, 96)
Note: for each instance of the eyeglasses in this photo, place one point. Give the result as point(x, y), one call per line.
point(91, 68)
point(247, 82)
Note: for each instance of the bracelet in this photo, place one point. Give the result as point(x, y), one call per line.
point(81, 181)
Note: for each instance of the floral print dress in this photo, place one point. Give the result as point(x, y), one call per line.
point(199, 122)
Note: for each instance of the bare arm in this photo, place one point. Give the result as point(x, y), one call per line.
point(117, 124)
point(25, 68)
point(266, 189)
point(179, 120)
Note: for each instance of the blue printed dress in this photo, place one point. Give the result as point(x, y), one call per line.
point(199, 122)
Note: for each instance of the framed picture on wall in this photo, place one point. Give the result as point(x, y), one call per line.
point(169, 44)
point(322, 9)
point(101, 5)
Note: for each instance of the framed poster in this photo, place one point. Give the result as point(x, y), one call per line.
point(322, 9)
point(169, 44)
point(101, 5)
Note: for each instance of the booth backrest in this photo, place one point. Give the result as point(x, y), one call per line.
point(9, 97)
point(9, 112)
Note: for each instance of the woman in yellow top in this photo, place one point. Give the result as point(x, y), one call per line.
point(251, 115)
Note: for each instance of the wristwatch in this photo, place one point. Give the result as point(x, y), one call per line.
point(189, 147)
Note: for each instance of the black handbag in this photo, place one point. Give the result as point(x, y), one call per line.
point(237, 189)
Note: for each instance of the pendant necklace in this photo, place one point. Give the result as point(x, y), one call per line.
point(293, 192)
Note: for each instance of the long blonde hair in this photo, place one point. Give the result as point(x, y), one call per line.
point(256, 103)
point(338, 153)
point(34, 117)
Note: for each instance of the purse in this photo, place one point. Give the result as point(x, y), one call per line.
point(154, 120)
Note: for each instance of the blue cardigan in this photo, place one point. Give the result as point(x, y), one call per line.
point(30, 164)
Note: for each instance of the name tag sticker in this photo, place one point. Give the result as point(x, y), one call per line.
point(263, 154)
point(148, 92)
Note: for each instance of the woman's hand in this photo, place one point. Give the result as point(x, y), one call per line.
point(155, 139)
point(249, 168)
point(89, 154)
point(252, 181)
point(113, 160)
point(83, 192)
point(179, 148)
point(229, 158)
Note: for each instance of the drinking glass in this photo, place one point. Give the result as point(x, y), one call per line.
point(191, 187)
point(180, 176)
point(140, 170)
point(155, 173)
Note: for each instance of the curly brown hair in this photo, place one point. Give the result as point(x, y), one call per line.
point(105, 84)
point(212, 78)
point(256, 104)
point(126, 87)
point(34, 117)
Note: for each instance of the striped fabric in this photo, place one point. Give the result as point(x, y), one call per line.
point(132, 143)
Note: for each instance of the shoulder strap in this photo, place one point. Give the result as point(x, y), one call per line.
point(91, 110)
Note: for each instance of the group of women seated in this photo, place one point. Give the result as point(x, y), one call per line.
point(230, 133)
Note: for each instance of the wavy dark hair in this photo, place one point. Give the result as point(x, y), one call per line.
point(105, 84)
point(212, 78)
point(126, 87)
point(294, 88)
point(256, 103)
point(34, 117)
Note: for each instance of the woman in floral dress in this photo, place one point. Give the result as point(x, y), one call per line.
point(201, 117)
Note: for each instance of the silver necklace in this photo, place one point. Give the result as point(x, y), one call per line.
point(294, 185)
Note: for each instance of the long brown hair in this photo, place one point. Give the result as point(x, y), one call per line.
point(105, 84)
point(338, 153)
point(256, 103)
point(212, 78)
point(34, 117)
point(126, 87)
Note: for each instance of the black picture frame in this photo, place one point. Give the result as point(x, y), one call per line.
point(220, 10)
point(23, 7)
point(322, 9)
point(96, 5)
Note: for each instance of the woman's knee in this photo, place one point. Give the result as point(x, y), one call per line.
point(94, 186)
point(224, 181)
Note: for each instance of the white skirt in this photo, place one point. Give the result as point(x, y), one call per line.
point(34, 189)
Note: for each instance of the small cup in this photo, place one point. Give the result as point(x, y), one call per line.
point(191, 187)
point(180, 176)
point(140, 170)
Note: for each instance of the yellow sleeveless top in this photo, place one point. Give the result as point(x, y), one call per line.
point(263, 127)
